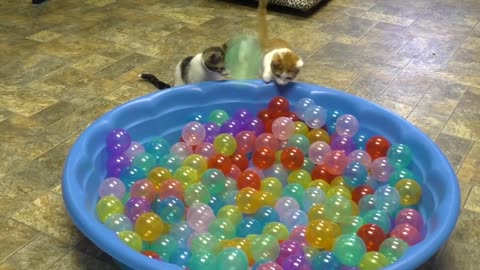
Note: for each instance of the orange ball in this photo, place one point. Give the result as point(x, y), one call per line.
point(292, 158)
point(263, 157)
point(321, 233)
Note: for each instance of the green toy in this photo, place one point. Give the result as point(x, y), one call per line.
point(243, 58)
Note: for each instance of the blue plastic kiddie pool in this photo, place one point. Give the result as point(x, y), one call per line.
point(164, 113)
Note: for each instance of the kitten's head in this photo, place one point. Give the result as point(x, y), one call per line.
point(285, 67)
point(214, 59)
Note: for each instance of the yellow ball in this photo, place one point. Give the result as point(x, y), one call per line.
point(230, 212)
point(338, 181)
point(301, 177)
point(324, 185)
point(277, 230)
point(248, 200)
point(158, 175)
point(149, 226)
point(339, 190)
point(197, 162)
point(186, 175)
point(410, 191)
point(321, 233)
point(317, 212)
point(318, 134)
point(131, 239)
point(225, 144)
point(266, 199)
point(301, 128)
point(272, 185)
point(107, 206)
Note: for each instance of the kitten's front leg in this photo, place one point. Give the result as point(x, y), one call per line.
point(267, 76)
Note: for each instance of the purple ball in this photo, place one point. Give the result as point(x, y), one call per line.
point(231, 126)
point(112, 186)
point(287, 249)
point(242, 115)
point(135, 207)
point(296, 262)
point(134, 149)
point(118, 140)
point(254, 124)
point(344, 143)
point(211, 130)
point(116, 164)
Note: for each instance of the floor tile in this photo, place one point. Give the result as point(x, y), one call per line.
point(122, 66)
point(13, 235)
point(469, 169)
point(44, 36)
point(473, 200)
point(454, 148)
point(24, 101)
point(75, 260)
point(93, 63)
point(465, 120)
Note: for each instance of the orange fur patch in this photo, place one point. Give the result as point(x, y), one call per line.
point(285, 62)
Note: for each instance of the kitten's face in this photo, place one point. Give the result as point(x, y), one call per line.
point(285, 67)
point(214, 59)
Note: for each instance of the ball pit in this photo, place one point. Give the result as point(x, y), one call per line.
point(164, 115)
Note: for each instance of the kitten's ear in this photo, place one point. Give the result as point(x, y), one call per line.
point(215, 58)
point(299, 63)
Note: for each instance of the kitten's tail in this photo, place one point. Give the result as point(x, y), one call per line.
point(154, 80)
point(262, 23)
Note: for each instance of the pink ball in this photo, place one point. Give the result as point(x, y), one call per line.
point(135, 207)
point(287, 249)
point(407, 233)
point(234, 172)
point(193, 133)
point(285, 204)
point(171, 187)
point(318, 151)
point(144, 189)
point(245, 141)
point(380, 169)
point(346, 125)
point(335, 162)
point(205, 149)
point(181, 150)
point(410, 216)
point(112, 186)
point(134, 149)
point(360, 156)
point(269, 266)
point(283, 128)
point(268, 140)
point(199, 216)
point(298, 235)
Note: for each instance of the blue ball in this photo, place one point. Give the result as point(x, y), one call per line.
point(247, 226)
point(326, 260)
point(170, 209)
point(181, 257)
point(355, 174)
point(130, 175)
point(216, 202)
point(158, 147)
point(171, 162)
point(266, 215)
point(378, 217)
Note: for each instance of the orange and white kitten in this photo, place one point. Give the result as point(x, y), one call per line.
point(280, 63)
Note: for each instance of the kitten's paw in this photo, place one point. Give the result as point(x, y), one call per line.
point(266, 78)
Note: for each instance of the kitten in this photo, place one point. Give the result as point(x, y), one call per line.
point(280, 63)
point(208, 65)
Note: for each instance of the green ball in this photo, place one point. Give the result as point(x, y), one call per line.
point(144, 161)
point(243, 58)
point(202, 261)
point(337, 207)
point(218, 117)
point(165, 246)
point(222, 228)
point(231, 259)
point(301, 177)
point(300, 141)
point(231, 213)
point(393, 248)
point(197, 193)
point(214, 180)
point(205, 242)
point(349, 249)
point(351, 224)
point(131, 239)
point(265, 247)
point(107, 206)
point(373, 260)
point(295, 191)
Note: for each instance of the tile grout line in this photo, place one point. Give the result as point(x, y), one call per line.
point(37, 235)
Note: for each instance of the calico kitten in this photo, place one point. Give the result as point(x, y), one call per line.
point(208, 65)
point(280, 63)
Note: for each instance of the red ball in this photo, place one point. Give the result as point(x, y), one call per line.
point(267, 125)
point(292, 158)
point(278, 106)
point(221, 162)
point(372, 235)
point(151, 254)
point(293, 116)
point(335, 162)
point(248, 178)
point(264, 114)
point(241, 160)
point(320, 172)
point(377, 146)
point(263, 157)
point(361, 191)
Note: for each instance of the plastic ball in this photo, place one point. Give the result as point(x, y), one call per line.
point(360, 156)
point(372, 235)
point(300, 128)
point(410, 216)
point(231, 126)
point(222, 228)
point(199, 216)
point(181, 150)
point(318, 151)
point(339, 190)
point(157, 147)
point(266, 215)
point(320, 172)
point(197, 162)
point(267, 140)
point(112, 186)
point(300, 176)
point(116, 164)
point(170, 209)
point(276, 229)
point(387, 198)
point(255, 125)
point(263, 157)
point(181, 257)
point(277, 171)
point(225, 144)
point(349, 249)
point(144, 189)
point(206, 242)
point(218, 117)
point(118, 140)
point(284, 204)
point(278, 106)
point(205, 149)
point(324, 185)
point(294, 218)
point(211, 131)
point(373, 260)
point(399, 155)
point(378, 217)
point(130, 175)
point(171, 162)
point(221, 162)
point(272, 185)
point(248, 200)
point(131, 239)
point(245, 141)
point(231, 213)
point(366, 203)
point(410, 192)
point(399, 174)
point(300, 141)
point(214, 180)
point(301, 105)
point(292, 158)
point(149, 226)
point(347, 125)
point(295, 191)
point(158, 175)
point(145, 161)
point(377, 146)
point(380, 169)
point(283, 128)
point(325, 260)
point(164, 246)
point(407, 233)
point(171, 187)
point(181, 233)
point(249, 178)
point(269, 266)
point(393, 248)
point(315, 116)
point(134, 149)
point(355, 174)
point(337, 207)
point(316, 212)
point(118, 223)
point(151, 254)
point(343, 143)
point(313, 196)
point(351, 224)
point(335, 162)
point(321, 233)
point(135, 207)
point(247, 226)
point(242, 115)
point(232, 259)
point(197, 193)
point(265, 247)
point(296, 262)
point(360, 191)
point(202, 260)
